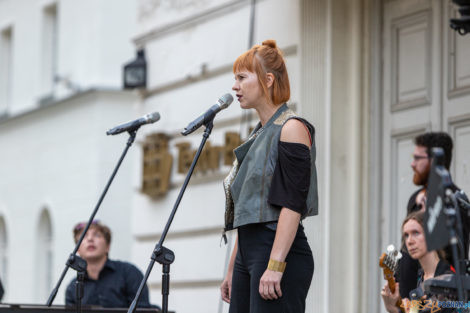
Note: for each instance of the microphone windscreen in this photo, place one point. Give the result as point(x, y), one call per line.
point(225, 100)
point(153, 117)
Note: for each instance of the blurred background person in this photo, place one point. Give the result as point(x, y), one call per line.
point(421, 165)
point(108, 283)
point(432, 263)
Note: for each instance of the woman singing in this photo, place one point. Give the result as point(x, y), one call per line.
point(270, 189)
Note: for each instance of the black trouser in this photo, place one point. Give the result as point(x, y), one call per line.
point(254, 248)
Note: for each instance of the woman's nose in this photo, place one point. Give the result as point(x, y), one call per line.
point(235, 86)
point(409, 241)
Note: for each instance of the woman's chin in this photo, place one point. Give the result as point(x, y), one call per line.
point(416, 255)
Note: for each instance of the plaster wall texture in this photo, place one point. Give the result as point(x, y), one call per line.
point(55, 155)
point(92, 44)
point(55, 160)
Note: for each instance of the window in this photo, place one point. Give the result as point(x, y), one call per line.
point(6, 60)
point(3, 254)
point(44, 255)
point(49, 49)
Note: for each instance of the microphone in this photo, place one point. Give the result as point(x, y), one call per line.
point(135, 124)
point(462, 200)
point(221, 104)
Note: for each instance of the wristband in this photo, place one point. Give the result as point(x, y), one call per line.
point(276, 266)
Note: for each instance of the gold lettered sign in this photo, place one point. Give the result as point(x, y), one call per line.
point(157, 162)
point(232, 140)
point(209, 160)
point(185, 156)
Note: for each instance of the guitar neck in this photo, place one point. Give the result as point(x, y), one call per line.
point(392, 285)
point(388, 262)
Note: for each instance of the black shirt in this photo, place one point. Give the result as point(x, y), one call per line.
point(116, 287)
point(442, 268)
point(291, 177)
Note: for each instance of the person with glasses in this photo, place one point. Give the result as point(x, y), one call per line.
point(421, 165)
point(108, 283)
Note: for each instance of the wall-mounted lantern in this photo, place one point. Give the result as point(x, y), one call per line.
point(462, 24)
point(135, 72)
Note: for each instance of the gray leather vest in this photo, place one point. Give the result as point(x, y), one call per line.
point(248, 183)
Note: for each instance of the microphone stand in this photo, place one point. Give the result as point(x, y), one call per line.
point(79, 284)
point(453, 221)
point(163, 255)
point(73, 258)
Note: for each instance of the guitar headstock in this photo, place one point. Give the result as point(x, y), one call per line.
point(389, 260)
point(389, 263)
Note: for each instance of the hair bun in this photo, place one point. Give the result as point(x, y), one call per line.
point(270, 42)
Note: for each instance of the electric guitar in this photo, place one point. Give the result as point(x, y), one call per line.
point(389, 263)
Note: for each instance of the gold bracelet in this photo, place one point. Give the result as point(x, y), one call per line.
point(276, 266)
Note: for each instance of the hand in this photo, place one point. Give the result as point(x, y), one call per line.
point(390, 299)
point(226, 287)
point(270, 285)
point(407, 304)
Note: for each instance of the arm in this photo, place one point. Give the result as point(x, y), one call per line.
point(226, 286)
point(293, 131)
point(270, 282)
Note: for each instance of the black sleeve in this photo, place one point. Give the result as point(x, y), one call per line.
point(70, 294)
point(412, 206)
point(291, 178)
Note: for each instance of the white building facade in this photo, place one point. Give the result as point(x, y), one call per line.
point(60, 91)
point(369, 74)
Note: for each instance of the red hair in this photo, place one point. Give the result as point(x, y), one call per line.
point(263, 59)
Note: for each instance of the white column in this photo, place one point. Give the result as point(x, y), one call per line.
point(335, 53)
point(315, 106)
